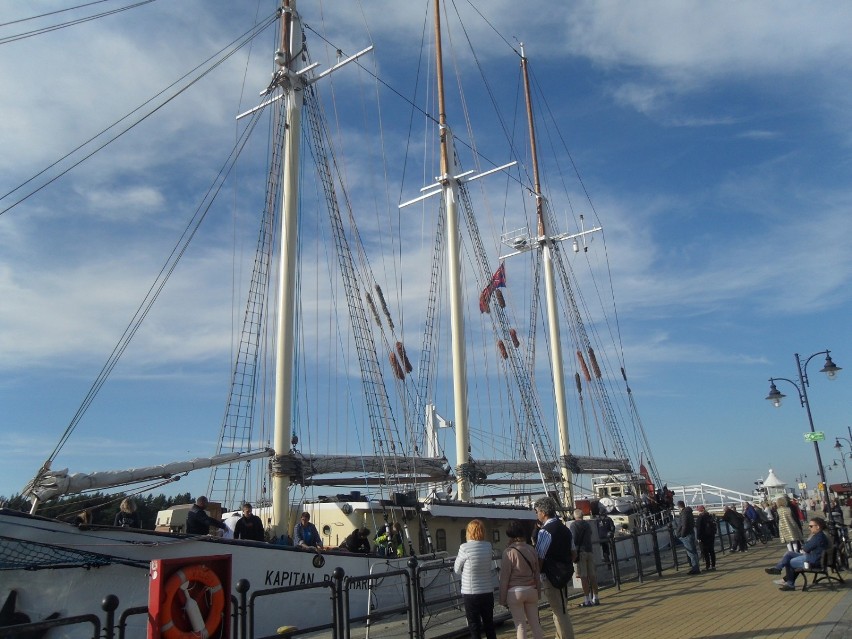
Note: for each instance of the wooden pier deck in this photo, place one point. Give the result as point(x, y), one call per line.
point(737, 601)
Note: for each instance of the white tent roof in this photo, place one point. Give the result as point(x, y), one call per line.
point(772, 481)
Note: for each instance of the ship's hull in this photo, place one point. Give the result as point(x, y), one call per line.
point(44, 586)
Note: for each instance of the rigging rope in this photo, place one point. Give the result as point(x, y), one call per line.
point(154, 291)
point(236, 46)
point(62, 25)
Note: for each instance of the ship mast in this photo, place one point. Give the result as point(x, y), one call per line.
point(291, 61)
point(449, 189)
point(546, 244)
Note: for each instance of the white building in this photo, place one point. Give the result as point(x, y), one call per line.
point(774, 487)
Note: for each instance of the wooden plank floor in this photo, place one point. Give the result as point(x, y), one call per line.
point(737, 601)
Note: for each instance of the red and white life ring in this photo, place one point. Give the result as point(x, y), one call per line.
point(202, 607)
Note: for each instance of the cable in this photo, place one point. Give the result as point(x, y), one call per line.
point(62, 25)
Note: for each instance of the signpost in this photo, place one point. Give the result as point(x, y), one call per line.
point(816, 436)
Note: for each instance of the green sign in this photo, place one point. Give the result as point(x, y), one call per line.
point(818, 436)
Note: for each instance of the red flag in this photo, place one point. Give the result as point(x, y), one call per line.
point(498, 280)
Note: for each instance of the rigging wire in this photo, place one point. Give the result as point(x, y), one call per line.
point(593, 209)
point(409, 101)
point(237, 44)
point(52, 13)
point(63, 25)
point(156, 288)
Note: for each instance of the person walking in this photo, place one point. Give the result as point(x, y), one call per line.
point(581, 533)
point(475, 564)
point(520, 586)
point(771, 519)
point(686, 534)
point(789, 530)
point(606, 532)
point(736, 522)
point(554, 543)
point(705, 529)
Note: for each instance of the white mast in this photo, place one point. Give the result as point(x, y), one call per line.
point(450, 194)
point(552, 305)
point(294, 77)
point(447, 185)
point(290, 59)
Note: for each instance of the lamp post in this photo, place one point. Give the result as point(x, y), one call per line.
point(843, 455)
point(775, 396)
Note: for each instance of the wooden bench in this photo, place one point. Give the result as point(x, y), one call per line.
point(828, 565)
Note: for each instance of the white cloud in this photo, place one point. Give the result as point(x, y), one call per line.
point(694, 41)
point(691, 261)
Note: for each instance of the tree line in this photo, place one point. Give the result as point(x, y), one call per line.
point(101, 507)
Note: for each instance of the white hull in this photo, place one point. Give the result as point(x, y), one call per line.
point(80, 590)
point(72, 591)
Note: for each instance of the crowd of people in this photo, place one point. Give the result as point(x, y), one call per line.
point(387, 542)
point(539, 560)
point(808, 540)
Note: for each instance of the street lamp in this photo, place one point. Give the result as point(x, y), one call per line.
point(843, 455)
point(775, 396)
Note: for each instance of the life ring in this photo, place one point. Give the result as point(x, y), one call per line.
point(201, 626)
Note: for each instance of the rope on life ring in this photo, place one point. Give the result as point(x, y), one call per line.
point(201, 627)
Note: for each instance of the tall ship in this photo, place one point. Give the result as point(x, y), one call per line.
point(415, 346)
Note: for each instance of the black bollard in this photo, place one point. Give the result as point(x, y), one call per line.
point(109, 605)
point(242, 587)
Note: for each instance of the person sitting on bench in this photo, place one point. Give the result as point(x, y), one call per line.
point(811, 554)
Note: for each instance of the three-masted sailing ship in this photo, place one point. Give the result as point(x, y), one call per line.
point(397, 390)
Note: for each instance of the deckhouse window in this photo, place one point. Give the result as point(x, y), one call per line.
point(440, 540)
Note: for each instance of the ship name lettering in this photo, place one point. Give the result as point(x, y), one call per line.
point(287, 578)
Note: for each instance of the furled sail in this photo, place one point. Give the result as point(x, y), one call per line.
point(54, 483)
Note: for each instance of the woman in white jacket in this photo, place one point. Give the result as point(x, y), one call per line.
point(475, 564)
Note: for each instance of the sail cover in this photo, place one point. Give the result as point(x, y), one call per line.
point(54, 483)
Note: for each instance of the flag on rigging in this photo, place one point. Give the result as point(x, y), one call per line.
point(498, 280)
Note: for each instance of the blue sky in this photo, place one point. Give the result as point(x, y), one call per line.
point(713, 139)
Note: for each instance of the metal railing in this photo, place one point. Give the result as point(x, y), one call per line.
point(431, 605)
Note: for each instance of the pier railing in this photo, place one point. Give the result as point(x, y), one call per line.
point(711, 496)
point(431, 606)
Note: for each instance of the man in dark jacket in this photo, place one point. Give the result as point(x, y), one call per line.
point(705, 529)
point(606, 531)
point(554, 541)
point(686, 534)
point(249, 526)
point(198, 522)
point(358, 541)
point(737, 522)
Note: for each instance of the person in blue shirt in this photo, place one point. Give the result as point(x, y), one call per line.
point(306, 535)
point(811, 553)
